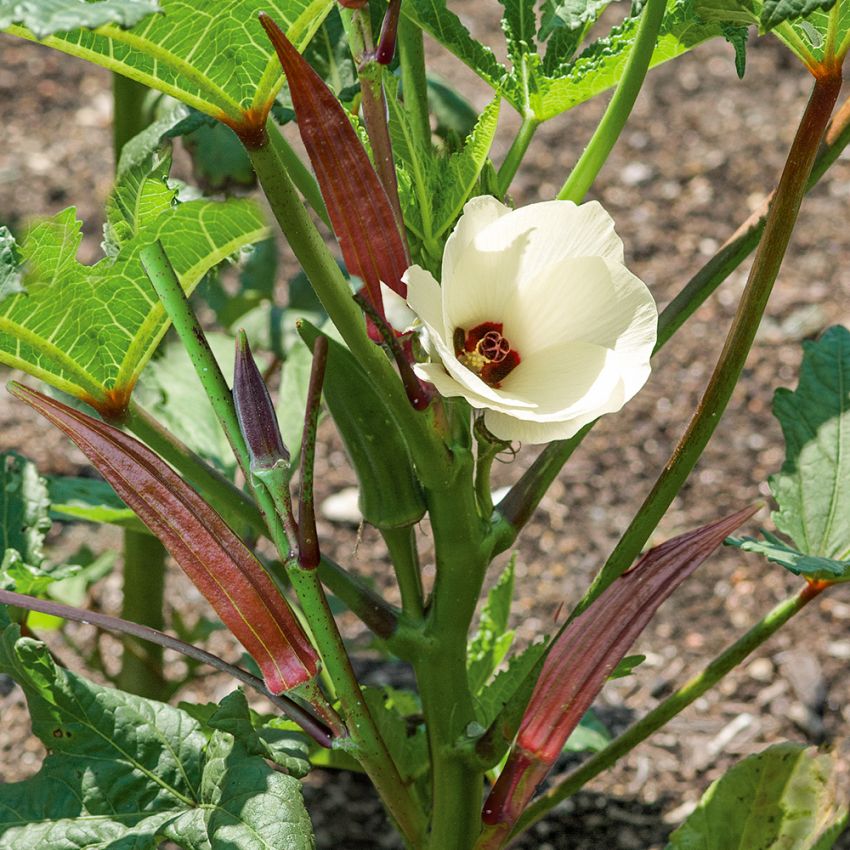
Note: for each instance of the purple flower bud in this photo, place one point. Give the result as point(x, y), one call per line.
point(389, 30)
point(255, 411)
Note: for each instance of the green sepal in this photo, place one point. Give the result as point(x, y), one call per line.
point(390, 496)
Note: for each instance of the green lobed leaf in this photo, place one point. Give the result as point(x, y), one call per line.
point(546, 88)
point(11, 281)
point(286, 750)
point(24, 509)
point(780, 799)
point(813, 487)
point(519, 23)
point(433, 187)
point(774, 12)
point(91, 500)
point(491, 642)
point(570, 15)
point(497, 693)
point(141, 195)
point(558, 88)
point(46, 17)
point(445, 26)
point(590, 736)
point(802, 25)
point(214, 57)
point(17, 575)
point(89, 330)
point(143, 758)
point(398, 717)
point(565, 25)
point(811, 566)
point(125, 772)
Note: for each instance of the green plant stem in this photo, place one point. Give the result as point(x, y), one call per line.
point(739, 246)
point(302, 177)
point(401, 544)
point(765, 268)
point(462, 556)
point(516, 153)
point(240, 509)
point(114, 624)
point(414, 82)
point(429, 453)
point(619, 108)
point(518, 506)
point(128, 111)
point(144, 596)
point(670, 707)
point(369, 747)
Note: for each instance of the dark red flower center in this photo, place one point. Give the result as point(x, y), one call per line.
point(484, 351)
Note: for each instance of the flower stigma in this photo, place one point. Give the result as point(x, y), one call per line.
point(486, 352)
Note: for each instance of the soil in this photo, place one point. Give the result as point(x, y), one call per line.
point(700, 152)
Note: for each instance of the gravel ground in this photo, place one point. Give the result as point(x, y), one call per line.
point(700, 152)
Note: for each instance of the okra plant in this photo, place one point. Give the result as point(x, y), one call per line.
point(445, 328)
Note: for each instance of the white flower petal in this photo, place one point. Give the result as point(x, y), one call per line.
point(555, 230)
point(399, 315)
point(564, 381)
point(635, 340)
point(552, 274)
point(483, 283)
point(425, 298)
point(581, 298)
point(508, 428)
point(478, 214)
point(447, 386)
point(465, 377)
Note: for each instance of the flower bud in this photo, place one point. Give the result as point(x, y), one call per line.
point(353, 4)
point(255, 411)
point(389, 31)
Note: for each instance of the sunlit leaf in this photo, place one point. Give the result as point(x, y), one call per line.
point(214, 57)
point(813, 487)
point(10, 265)
point(781, 799)
point(89, 330)
point(45, 17)
point(491, 642)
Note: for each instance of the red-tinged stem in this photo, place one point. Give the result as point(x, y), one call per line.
point(666, 710)
point(370, 72)
point(763, 274)
point(520, 503)
point(290, 708)
point(308, 537)
point(418, 392)
point(371, 749)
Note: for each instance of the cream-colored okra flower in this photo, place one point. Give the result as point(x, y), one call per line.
point(538, 322)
